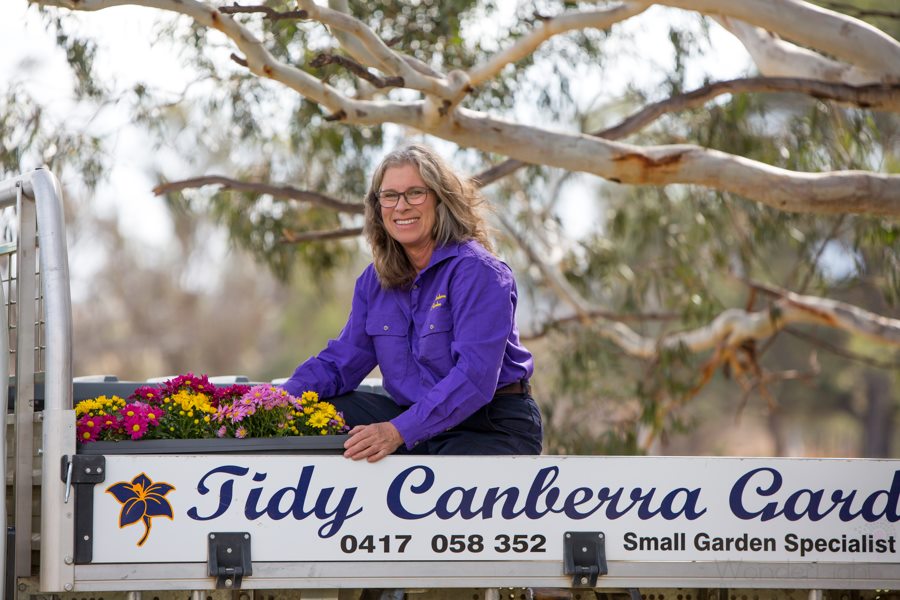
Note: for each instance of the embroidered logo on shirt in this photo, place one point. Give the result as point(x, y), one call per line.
point(437, 301)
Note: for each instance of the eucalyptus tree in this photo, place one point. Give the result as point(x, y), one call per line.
point(728, 214)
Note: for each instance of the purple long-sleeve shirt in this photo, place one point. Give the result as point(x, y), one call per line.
point(444, 346)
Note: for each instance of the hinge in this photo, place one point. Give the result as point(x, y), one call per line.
point(82, 472)
point(228, 559)
point(584, 557)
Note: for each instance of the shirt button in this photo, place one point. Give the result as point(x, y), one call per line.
point(431, 326)
point(386, 327)
point(415, 287)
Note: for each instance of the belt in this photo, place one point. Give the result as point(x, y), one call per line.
point(519, 387)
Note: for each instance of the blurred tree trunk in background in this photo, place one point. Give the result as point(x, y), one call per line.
point(878, 417)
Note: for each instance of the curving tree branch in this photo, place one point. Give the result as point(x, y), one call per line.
point(549, 27)
point(438, 113)
point(267, 11)
point(857, 192)
point(278, 191)
point(730, 329)
point(775, 57)
point(385, 58)
point(846, 38)
point(299, 237)
point(876, 96)
point(880, 96)
point(357, 69)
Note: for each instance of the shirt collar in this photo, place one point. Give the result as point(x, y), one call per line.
point(442, 253)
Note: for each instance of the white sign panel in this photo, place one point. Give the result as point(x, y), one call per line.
point(327, 508)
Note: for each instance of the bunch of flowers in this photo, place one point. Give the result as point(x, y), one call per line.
point(190, 407)
point(268, 411)
point(99, 418)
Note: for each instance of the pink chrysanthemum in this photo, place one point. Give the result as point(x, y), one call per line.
point(88, 428)
point(227, 395)
point(148, 393)
point(135, 426)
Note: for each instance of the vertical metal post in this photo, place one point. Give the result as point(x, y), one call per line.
point(4, 408)
point(57, 518)
point(11, 191)
point(25, 292)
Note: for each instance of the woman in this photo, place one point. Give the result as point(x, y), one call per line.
point(436, 312)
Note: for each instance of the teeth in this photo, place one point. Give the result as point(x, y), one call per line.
point(405, 221)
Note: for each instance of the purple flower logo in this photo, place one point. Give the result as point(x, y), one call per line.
point(141, 500)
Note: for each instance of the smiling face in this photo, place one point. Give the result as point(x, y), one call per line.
point(411, 226)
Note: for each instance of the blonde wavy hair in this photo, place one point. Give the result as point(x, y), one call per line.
point(458, 209)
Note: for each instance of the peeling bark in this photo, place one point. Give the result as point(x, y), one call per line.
point(439, 112)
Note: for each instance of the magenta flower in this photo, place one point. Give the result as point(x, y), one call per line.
point(192, 382)
point(135, 426)
point(137, 417)
point(230, 394)
point(88, 428)
point(148, 393)
point(240, 433)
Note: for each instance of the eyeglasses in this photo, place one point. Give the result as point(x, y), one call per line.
point(413, 196)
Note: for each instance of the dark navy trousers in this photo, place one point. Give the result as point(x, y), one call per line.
point(508, 424)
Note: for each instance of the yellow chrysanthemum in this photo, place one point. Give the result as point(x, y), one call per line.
point(98, 405)
point(318, 420)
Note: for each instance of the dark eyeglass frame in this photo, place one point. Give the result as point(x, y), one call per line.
point(391, 203)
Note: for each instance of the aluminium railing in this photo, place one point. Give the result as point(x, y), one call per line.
point(40, 240)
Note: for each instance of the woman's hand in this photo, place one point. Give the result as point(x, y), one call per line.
point(372, 442)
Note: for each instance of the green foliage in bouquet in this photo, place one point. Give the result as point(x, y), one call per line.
point(190, 407)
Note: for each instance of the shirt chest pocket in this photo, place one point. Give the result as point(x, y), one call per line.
point(435, 337)
point(390, 336)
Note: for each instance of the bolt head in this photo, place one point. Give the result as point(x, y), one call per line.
point(69, 560)
point(68, 587)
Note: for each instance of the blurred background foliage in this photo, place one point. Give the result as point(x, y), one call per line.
point(228, 294)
